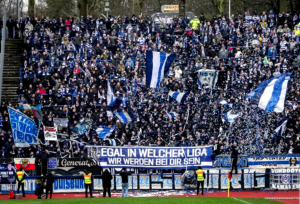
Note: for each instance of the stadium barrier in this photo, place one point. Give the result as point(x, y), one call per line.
point(254, 172)
point(216, 180)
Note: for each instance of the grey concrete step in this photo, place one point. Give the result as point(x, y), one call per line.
point(11, 70)
point(11, 63)
point(11, 78)
point(11, 87)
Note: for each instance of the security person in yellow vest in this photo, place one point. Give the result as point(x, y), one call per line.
point(88, 183)
point(21, 180)
point(195, 23)
point(200, 175)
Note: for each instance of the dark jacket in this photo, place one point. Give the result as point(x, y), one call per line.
point(124, 174)
point(50, 180)
point(234, 153)
point(44, 156)
point(106, 179)
point(39, 189)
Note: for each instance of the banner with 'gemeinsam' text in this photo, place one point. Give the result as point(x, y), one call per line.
point(152, 157)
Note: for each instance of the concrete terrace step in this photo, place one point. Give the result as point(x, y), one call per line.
point(11, 70)
point(7, 93)
point(11, 79)
point(14, 41)
point(12, 63)
point(14, 48)
point(10, 87)
point(10, 99)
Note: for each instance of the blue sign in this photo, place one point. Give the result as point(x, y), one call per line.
point(152, 157)
point(24, 129)
point(225, 162)
point(258, 161)
point(274, 161)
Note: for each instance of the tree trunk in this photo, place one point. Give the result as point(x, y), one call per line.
point(182, 5)
point(283, 6)
point(291, 6)
point(31, 4)
point(82, 7)
point(141, 5)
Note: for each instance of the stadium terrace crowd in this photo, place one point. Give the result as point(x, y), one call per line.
point(66, 64)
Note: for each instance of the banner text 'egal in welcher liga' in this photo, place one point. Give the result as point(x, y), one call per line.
point(152, 157)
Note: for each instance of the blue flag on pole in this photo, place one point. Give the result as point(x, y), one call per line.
point(110, 95)
point(24, 129)
point(124, 117)
point(223, 102)
point(112, 100)
point(157, 65)
point(178, 96)
point(83, 126)
point(172, 115)
point(270, 94)
point(282, 127)
point(231, 117)
point(105, 132)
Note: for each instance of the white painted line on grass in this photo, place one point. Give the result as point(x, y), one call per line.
point(284, 198)
point(241, 200)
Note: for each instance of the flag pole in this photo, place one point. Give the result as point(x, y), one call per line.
point(229, 179)
point(228, 187)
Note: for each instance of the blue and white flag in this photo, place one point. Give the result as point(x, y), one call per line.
point(270, 95)
point(208, 76)
point(282, 127)
point(110, 95)
point(178, 96)
point(83, 126)
point(112, 142)
point(223, 102)
point(25, 108)
point(157, 65)
point(124, 117)
point(105, 132)
point(172, 115)
point(231, 117)
point(24, 129)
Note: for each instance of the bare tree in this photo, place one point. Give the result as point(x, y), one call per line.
point(219, 6)
point(182, 7)
point(91, 5)
point(31, 5)
point(82, 7)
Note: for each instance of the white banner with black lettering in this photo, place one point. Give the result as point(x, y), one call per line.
point(50, 133)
